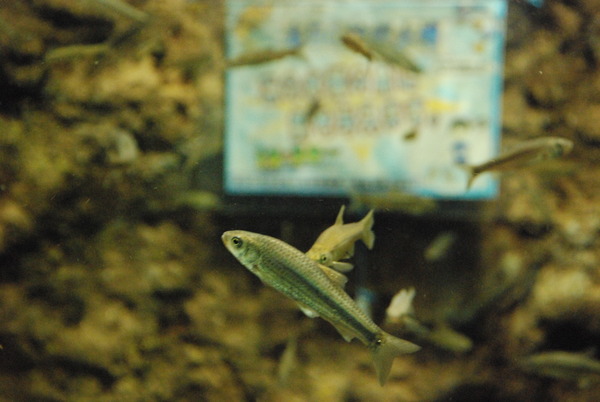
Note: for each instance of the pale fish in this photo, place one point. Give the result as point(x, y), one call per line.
point(337, 241)
point(373, 50)
point(401, 304)
point(265, 56)
point(394, 201)
point(288, 361)
point(292, 273)
point(444, 337)
point(439, 247)
point(400, 312)
point(526, 153)
point(580, 367)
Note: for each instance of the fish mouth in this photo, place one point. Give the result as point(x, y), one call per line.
point(225, 237)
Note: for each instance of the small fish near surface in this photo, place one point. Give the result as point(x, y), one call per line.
point(337, 241)
point(524, 154)
point(394, 201)
point(265, 56)
point(373, 50)
point(291, 272)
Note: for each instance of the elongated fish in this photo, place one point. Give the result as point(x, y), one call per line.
point(265, 56)
point(373, 50)
point(337, 241)
point(292, 273)
point(313, 108)
point(565, 365)
point(527, 152)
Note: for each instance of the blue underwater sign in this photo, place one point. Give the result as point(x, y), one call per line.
point(333, 97)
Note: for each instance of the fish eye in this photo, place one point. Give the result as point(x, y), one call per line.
point(237, 242)
point(323, 259)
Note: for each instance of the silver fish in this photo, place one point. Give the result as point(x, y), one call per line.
point(528, 152)
point(292, 273)
point(563, 365)
point(401, 313)
point(265, 56)
point(337, 241)
point(373, 50)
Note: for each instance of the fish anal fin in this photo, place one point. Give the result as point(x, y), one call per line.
point(384, 353)
point(310, 313)
point(349, 253)
point(342, 266)
point(334, 276)
point(346, 333)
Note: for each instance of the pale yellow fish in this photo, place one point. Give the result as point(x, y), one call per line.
point(337, 241)
point(526, 153)
point(291, 272)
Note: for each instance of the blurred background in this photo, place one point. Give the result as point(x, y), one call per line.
point(114, 283)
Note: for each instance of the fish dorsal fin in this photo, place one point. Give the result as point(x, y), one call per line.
point(309, 312)
point(340, 217)
point(334, 276)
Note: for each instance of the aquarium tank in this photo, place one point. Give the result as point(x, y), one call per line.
point(333, 200)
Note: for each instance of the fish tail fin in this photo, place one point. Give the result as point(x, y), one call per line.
point(386, 351)
point(300, 53)
point(471, 174)
point(368, 237)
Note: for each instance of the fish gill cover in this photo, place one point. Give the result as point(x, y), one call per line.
point(330, 98)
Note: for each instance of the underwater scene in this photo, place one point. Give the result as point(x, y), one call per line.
point(310, 200)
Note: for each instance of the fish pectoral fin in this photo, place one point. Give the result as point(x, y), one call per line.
point(342, 267)
point(348, 251)
point(310, 313)
point(334, 276)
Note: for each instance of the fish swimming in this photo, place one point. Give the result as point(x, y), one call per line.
point(526, 153)
point(266, 56)
point(580, 367)
point(373, 50)
point(337, 241)
point(394, 201)
point(313, 108)
point(291, 272)
point(355, 43)
point(401, 312)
